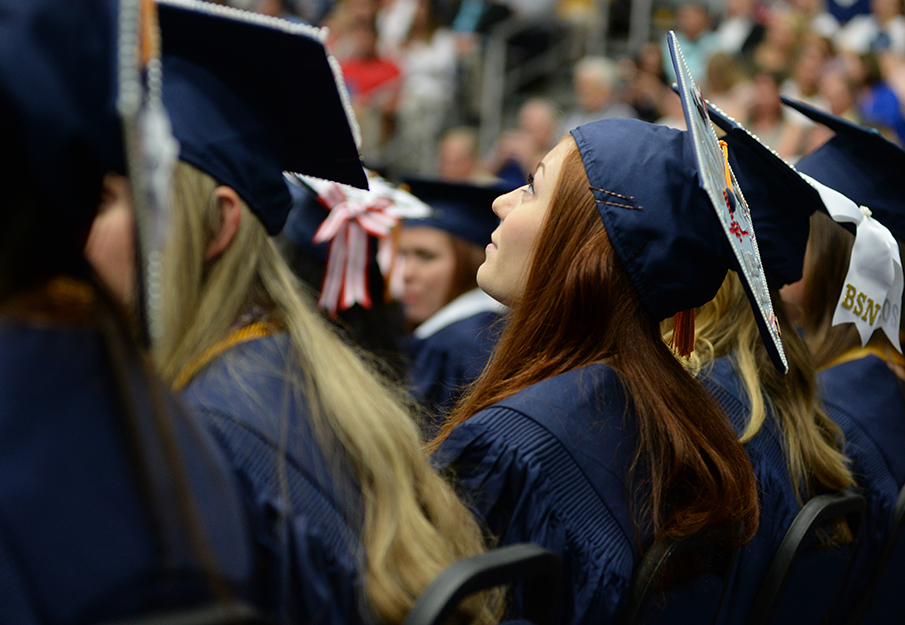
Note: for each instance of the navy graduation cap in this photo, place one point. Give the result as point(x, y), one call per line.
point(859, 163)
point(781, 201)
point(674, 213)
point(461, 209)
point(251, 97)
point(859, 175)
point(60, 132)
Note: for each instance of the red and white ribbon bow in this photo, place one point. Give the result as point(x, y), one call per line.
point(347, 228)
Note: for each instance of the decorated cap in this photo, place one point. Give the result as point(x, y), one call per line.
point(347, 229)
point(252, 96)
point(58, 123)
point(461, 209)
point(781, 201)
point(673, 210)
point(859, 175)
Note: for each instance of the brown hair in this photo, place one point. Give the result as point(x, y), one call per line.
point(578, 308)
point(468, 258)
point(826, 265)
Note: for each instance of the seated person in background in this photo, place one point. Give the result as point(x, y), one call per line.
point(459, 157)
point(354, 521)
point(340, 241)
point(114, 504)
point(795, 448)
point(597, 95)
point(585, 434)
point(855, 341)
point(518, 151)
point(454, 324)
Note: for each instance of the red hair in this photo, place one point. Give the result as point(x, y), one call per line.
point(579, 308)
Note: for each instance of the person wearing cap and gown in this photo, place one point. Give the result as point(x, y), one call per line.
point(796, 449)
point(572, 435)
point(340, 241)
point(455, 324)
point(114, 504)
point(850, 301)
point(355, 522)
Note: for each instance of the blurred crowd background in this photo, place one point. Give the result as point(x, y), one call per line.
point(472, 89)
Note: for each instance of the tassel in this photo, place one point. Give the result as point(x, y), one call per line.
point(683, 332)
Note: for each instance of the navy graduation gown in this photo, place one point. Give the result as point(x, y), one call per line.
point(80, 541)
point(305, 505)
point(865, 399)
point(447, 359)
point(778, 503)
point(549, 465)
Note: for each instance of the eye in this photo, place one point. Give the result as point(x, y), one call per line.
point(531, 183)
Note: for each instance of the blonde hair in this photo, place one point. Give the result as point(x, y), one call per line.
point(414, 525)
point(812, 441)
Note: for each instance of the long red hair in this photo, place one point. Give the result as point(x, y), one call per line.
point(579, 308)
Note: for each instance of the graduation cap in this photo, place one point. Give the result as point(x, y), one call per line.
point(781, 201)
point(59, 128)
point(347, 230)
point(859, 175)
point(250, 97)
point(674, 213)
point(461, 209)
point(859, 163)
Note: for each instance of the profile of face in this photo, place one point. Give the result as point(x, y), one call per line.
point(522, 214)
point(428, 271)
point(111, 242)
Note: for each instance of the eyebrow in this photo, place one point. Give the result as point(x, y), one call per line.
point(539, 165)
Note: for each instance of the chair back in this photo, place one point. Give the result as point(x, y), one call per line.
point(805, 575)
point(538, 569)
point(883, 600)
point(695, 600)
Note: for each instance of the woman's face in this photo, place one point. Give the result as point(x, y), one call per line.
point(428, 270)
point(111, 243)
point(522, 213)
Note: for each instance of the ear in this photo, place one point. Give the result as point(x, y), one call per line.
point(230, 217)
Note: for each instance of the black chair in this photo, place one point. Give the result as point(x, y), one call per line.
point(883, 600)
point(538, 570)
point(697, 599)
point(230, 613)
point(805, 576)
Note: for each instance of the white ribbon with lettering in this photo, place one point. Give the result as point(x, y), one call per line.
point(871, 297)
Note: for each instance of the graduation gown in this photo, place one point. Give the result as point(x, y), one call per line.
point(448, 352)
point(305, 504)
point(778, 503)
point(81, 538)
point(549, 465)
point(865, 398)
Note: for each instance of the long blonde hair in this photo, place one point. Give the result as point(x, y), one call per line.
point(414, 525)
point(812, 441)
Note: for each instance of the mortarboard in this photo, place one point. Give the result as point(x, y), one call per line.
point(462, 209)
point(859, 175)
point(57, 87)
point(250, 97)
point(347, 230)
point(781, 201)
point(859, 163)
point(673, 211)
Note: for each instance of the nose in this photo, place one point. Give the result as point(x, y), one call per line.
point(503, 204)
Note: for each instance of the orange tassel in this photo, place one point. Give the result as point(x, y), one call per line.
point(683, 332)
